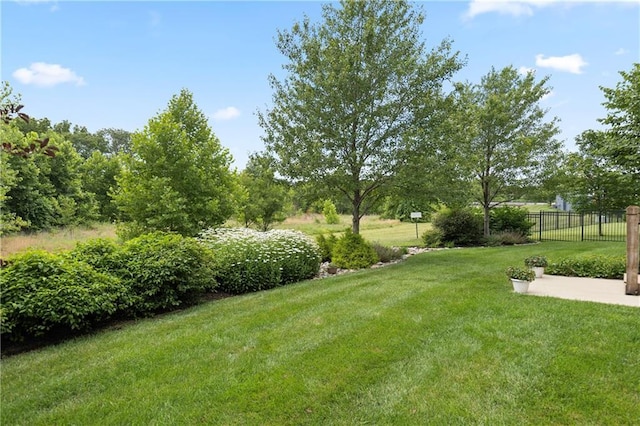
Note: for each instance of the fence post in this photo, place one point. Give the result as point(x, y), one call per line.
point(581, 226)
point(633, 245)
point(540, 225)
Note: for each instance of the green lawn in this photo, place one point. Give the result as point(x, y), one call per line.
point(438, 339)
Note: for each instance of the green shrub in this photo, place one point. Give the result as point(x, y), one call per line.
point(353, 252)
point(165, 270)
point(510, 219)
point(329, 212)
point(325, 245)
point(594, 266)
point(101, 254)
point(248, 260)
point(460, 227)
point(432, 238)
point(43, 292)
point(388, 254)
point(506, 239)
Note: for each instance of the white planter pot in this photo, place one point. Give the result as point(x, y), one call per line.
point(520, 286)
point(539, 270)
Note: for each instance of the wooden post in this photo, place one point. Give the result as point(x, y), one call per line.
point(633, 245)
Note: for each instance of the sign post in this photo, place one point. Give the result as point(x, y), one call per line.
point(633, 244)
point(416, 216)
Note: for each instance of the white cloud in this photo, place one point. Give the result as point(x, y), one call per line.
point(621, 51)
point(43, 74)
point(570, 63)
point(505, 7)
point(227, 113)
point(53, 8)
point(525, 70)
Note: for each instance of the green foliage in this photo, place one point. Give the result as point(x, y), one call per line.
point(506, 140)
point(433, 237)
point(364, 87)
point(326, 245)
point(330, 213)
point(388, 254)
point(42, 292)
point(177, 177)
point(43, 192)
point(100, 253)
point(536, 261)
point(622, 147)
point(520, 273)
point(401, 209)
point(99, 178)
point(351, 251)
point(248, 260)
point(510, 219)
point(461, 227)
point(161, 270)
point(265, 197)
point(594, 266)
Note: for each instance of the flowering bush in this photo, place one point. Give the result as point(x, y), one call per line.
point(536, 261)
point(248, 260)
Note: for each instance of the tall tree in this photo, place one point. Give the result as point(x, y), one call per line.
point(596, 183)
point(623, 118)
point(177, 177)
point(266, 196)
point(358, 85)
point(99, 174)
point(507, 141)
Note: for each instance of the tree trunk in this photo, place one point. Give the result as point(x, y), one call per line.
point(487, 217)
point(355, 212)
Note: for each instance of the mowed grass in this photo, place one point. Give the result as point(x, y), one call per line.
point(388, 232)
point(438, 339)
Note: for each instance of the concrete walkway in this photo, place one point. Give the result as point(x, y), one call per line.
point(587, 289)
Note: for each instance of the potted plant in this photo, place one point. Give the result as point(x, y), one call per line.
point(537, 263)
point(520, 277)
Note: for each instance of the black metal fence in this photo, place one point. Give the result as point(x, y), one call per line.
point(571, 226)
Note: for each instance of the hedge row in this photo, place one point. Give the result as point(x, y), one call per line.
point(100, 280)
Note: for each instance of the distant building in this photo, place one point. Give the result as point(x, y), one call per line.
point(562, 204)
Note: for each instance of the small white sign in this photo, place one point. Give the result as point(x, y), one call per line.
point(416, 215)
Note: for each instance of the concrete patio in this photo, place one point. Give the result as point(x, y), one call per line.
point(586, 289)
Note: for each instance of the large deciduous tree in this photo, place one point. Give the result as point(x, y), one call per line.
point(359, 84)
point(508, 142)
point(594, 183)
point(622, 146)
point(177, 177)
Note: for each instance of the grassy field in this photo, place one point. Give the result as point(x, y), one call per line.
point(387, 232)
point(438, 339)
point(372, 228)
point(56, 240)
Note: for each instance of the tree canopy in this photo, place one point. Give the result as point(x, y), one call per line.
point(359, 85)
point(506, 139)
point(622, 146)
point(177, 177)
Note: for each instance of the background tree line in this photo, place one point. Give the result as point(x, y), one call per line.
point(366, 116)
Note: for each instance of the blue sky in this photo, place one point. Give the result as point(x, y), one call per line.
point(117, 64)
